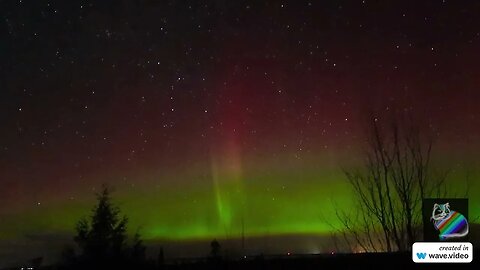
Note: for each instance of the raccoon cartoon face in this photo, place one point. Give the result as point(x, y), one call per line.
point(440, 211)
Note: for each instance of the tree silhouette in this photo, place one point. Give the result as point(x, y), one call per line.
point(104, 236)
point(397, 175)
point(215, 248)
point(161, 258)
point(138, 248)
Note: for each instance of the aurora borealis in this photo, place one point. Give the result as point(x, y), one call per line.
point(213, 119)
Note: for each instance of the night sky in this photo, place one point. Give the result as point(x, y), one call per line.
point(206, 115)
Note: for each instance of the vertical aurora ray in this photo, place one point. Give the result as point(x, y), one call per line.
point(226, 174)
point(226, 164)
point(223, 209)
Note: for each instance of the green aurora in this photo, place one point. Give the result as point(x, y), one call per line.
point(295, 200)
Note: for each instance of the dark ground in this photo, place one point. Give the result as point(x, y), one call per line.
point(338, 261)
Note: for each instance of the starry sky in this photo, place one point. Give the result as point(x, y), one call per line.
point(210, 118)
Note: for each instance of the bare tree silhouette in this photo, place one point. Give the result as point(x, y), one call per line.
point(389, 187)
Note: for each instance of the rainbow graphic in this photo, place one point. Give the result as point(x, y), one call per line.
point(452, 225)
